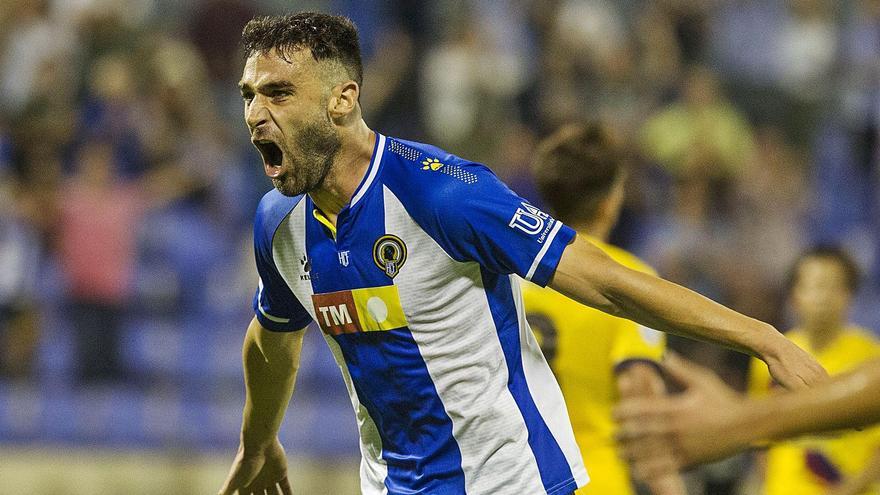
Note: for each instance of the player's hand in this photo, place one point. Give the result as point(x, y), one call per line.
point(667, 484)
point(261, 472)
point(793, 368)
point(642, 381)
point(673, 432)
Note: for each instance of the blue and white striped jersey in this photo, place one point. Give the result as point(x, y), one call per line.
point(417, 296)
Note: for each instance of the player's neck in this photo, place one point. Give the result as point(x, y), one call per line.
point(821, 335)
point(347, 171)
point(597, 228)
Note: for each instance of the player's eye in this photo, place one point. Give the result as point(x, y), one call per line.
point(279, 96)
point(247, 97)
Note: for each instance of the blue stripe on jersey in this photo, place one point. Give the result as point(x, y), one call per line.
point(387, 370)
point(392, 383)
point(552, 464)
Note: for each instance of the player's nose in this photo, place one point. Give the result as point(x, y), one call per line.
point(256, 113)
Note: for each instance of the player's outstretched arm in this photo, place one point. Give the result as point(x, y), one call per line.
point(589, 276)
point(271, 360)
point(709, 421)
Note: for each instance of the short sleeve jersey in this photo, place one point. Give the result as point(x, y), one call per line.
point(416, 292)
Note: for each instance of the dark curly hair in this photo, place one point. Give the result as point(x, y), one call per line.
point(328, 37)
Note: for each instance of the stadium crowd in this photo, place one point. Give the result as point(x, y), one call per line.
point(128, 183)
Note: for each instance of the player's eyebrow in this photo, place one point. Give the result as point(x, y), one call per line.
point(267, 87)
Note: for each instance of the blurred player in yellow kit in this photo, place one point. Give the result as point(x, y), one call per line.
point(822, 285)
point(596, 357)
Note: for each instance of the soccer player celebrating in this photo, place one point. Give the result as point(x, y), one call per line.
point(406, 257)
point(595, 356)
point(823, 282)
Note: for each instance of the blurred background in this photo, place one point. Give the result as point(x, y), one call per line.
point(128, 185)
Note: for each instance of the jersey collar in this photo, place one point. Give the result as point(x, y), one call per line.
point(370, 176)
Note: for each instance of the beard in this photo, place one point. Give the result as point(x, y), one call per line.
point(316, 146)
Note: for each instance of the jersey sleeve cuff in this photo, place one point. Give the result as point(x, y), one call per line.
point(279, 326)
point(545, 263)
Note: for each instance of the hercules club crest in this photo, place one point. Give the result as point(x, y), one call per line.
point(389, 254)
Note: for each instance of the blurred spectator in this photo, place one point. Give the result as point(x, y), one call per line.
point(393, 44)
point(823, 282)
point(20, 255)
point(32, 43)
point(860, 110)
point(98, 221)
point(215, 28)
point(690, 21)
point(807, 46)
point(768, 210)
point(471, 75)
point(780, 56)
point(703, 134)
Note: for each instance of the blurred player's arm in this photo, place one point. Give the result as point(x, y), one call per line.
point(589, 276)
point(271, 361)
point(709, 421)
point(640, 380)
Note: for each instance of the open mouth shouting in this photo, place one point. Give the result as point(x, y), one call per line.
point(273, 157)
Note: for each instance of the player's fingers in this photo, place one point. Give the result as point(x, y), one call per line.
point(254, 489)
point(650, 469)
point(243, 474)
point(228, 488)
point(686, 373)
point(640, 417)
point(630, 431)
point(266, 484)
point(647, 448)
point(285, 486)
point(233, 483)
point(626, 384)
point(668, 484)
point(814, 374)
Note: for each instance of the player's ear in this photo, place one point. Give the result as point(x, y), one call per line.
point(343, 99)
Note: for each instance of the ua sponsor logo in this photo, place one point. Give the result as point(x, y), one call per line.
point(529, 219)
point(343, 258)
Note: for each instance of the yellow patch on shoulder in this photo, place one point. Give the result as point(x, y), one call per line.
point(432, 164)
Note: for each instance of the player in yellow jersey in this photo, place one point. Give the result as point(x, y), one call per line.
point(823, 282)
point(596, 357)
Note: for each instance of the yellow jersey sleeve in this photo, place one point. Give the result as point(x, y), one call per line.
point(633, 341)
point(636, 342)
